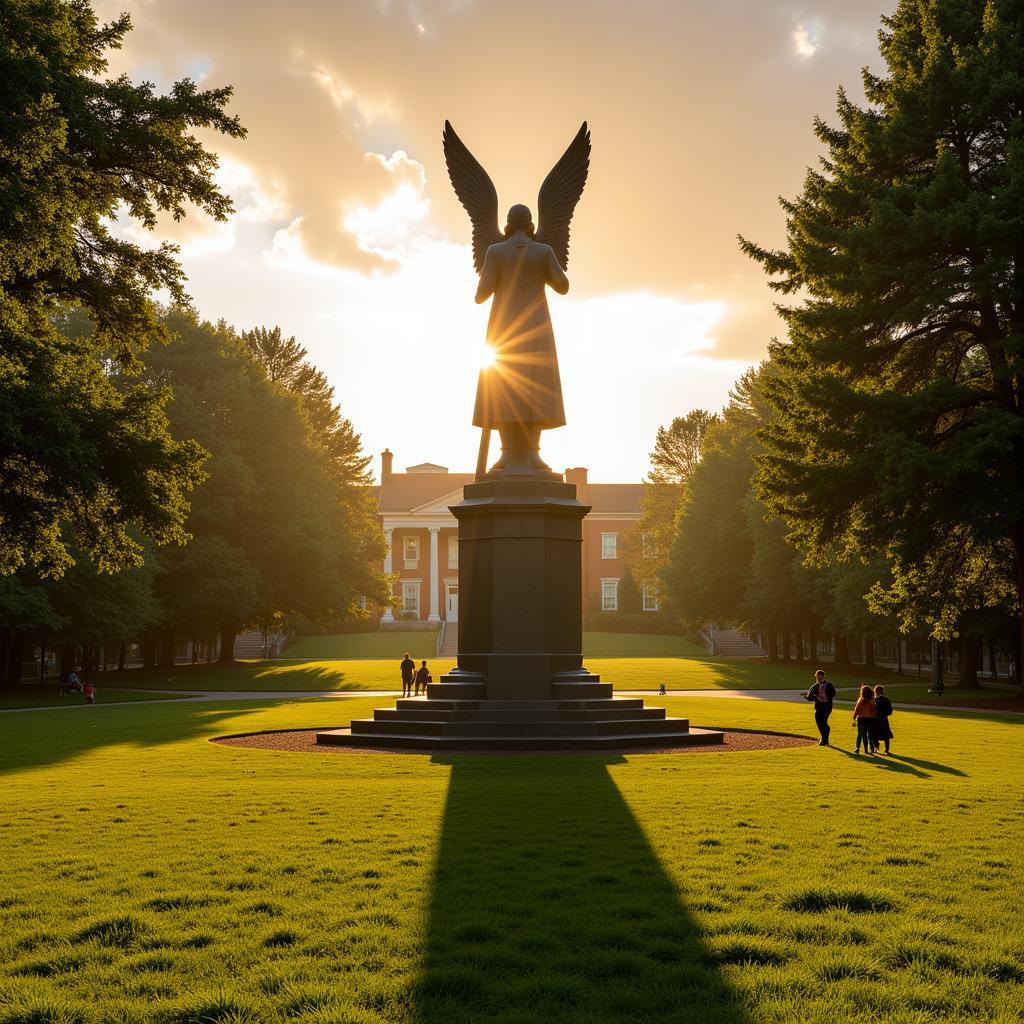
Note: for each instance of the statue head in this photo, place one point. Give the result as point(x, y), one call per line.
point(519, 219)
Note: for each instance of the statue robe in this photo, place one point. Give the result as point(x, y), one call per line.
point(522, 384)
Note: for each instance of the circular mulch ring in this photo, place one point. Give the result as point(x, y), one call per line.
point(303, 741)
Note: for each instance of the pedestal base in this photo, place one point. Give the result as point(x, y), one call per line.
point(509, 725)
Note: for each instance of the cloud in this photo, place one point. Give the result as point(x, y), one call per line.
point(807, 39)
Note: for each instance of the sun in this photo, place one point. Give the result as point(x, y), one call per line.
point(487, 357)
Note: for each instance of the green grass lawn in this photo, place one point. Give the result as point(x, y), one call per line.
point(392, 645)
point(630, 673)
point(49, 696)
point(347, 646)
point(151, 876)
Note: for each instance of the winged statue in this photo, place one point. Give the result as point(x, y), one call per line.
point(519, 393)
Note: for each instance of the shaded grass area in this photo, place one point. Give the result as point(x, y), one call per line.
point(386, 645)
point(35, 696)
point(639, 645)
point(149, 875)
point(705, 673)
point(955, 696)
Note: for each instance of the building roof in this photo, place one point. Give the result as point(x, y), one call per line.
point(403, 492)
point(613, 497)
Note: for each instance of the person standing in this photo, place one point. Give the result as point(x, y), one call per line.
point(408, 668)
point(864, 719)
point(883, 709)
point(822, 692)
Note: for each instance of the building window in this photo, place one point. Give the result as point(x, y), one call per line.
point(610, 595)
point(410, 599)
point(411, 552)
point(609, 545)
point(453, 552)
point(650, 597)
point(647, 546)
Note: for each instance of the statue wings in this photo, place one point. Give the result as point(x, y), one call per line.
point(556, 202)
point(560, 193)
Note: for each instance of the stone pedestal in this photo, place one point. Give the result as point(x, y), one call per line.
point(520, 683)
point(520, 602)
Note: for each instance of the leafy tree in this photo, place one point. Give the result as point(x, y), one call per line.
point(900, 393)
point(77, 445)
point(677, 452)
point(276, 531)
point(710, 555)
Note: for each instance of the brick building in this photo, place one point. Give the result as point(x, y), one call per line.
point(423, 546)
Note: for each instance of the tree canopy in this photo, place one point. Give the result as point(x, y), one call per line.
point(85, 453)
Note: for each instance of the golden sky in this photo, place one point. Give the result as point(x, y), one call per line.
point(348, 235)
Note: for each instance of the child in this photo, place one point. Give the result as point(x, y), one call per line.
point(883, 709)
point(863, 718)
point(661, 690)
point(89, 692)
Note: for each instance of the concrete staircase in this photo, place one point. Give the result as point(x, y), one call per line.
point(448, 643)
point(249, 644)
point(731, 643)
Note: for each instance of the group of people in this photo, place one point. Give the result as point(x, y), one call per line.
point(413, 677)
point(870, 715)
point(75, 684)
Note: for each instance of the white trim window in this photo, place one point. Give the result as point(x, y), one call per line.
point(609, 545)
point(411, 599)
point(453, 552)
point(651, 598)
point(411, 552)
point(610, 595)
point(648, 549)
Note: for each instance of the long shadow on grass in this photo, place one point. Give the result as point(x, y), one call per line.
point(29, 740)
point(548, 904)
point(889, 763)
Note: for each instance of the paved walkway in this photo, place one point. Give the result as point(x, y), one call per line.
point(192, 697)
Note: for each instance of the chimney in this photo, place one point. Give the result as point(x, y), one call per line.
point(386, 458)
point(578, 476)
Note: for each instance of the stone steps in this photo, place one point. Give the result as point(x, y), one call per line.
point(681, 738)
point(496, 729)
point(559, 715)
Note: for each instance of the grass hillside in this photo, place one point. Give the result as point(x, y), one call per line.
point(151, 876)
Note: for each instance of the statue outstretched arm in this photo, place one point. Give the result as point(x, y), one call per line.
point(555, 274)
point(488, 279)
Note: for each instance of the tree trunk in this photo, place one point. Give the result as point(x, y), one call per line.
point(149, 649)
point(195, 650)
point(772, 644)
point(813, 638)
point(122, 656)
point(993, 668)
point(228, 632)
point(166, 649)
point(841, 658)
point(16, 658)
point(899, 656)
point(869, 652)
point(785, 645)
point(1017, 541)
point(42, 658)
point(968, 662)
point(798, 647)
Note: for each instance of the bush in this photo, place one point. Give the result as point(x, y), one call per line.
point(635, 622)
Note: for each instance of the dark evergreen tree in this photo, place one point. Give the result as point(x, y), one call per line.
point(900, 391)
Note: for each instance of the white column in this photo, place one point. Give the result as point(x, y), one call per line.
point(433, 616)
point(388, 615)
